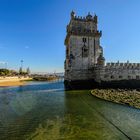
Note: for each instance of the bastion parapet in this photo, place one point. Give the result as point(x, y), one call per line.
point(85, 64)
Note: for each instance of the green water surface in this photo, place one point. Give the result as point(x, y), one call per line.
point(45, 111)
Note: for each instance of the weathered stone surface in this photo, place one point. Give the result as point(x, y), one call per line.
point(84, 56)
point(82, 48)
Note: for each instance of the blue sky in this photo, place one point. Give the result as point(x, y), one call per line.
point(34, 30)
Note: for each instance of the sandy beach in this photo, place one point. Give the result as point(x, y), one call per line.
point(13, 81)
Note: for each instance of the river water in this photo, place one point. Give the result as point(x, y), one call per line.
point(45, 111)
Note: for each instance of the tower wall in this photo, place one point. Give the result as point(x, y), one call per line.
point(121, 71)
point(82, 47)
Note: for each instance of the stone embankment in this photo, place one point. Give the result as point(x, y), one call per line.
point(122, 96)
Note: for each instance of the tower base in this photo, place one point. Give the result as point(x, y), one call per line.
point(80, 84)
point(92, 84)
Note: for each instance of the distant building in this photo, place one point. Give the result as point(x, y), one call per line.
point(85, 65)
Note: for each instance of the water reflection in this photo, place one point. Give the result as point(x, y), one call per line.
point(23, 103)
point(44, 111)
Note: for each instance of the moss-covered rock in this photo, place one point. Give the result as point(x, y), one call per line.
point(122, 96)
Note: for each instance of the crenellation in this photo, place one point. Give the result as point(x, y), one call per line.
point(84, 54)
point(89, 17)
point(123, 65)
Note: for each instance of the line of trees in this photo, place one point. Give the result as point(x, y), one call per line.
point(7, 72)
point(27, 72)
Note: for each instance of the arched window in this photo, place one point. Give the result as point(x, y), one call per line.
point(84, 40)
point(112, 77)
point(84, 51)
point(120, 77)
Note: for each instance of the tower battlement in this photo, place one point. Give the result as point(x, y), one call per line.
point(83, 26)
point(85, 63)
point(89, 17)
point(126, 65)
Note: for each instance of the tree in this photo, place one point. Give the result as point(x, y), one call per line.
point(20, 70)
point(4, 72)
point(28, 71)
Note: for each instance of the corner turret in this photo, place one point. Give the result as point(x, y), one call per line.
point(72, 15)
point(89, 16)
point(95, 19)
point(101, 60)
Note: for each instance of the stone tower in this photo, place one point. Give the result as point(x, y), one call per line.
point(85, 65)
point(83, 48)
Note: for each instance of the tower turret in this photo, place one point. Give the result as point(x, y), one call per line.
point(72, 14)
point(89, 16)
point(96, 19)
point(101, 60)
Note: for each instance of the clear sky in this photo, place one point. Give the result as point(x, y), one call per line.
point(34, 30)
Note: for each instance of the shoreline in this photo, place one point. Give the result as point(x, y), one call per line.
point(19, 81)
point(13, 81)
point(120, 96)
